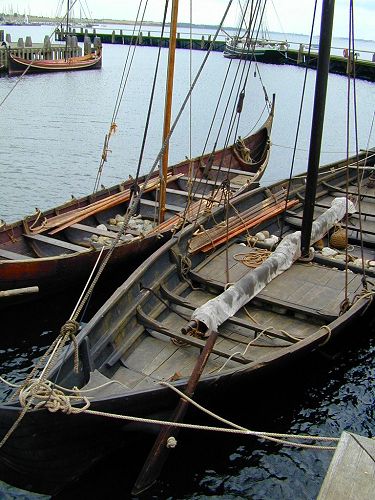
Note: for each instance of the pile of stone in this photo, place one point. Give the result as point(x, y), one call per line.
point(332, 253)
point(136, 227)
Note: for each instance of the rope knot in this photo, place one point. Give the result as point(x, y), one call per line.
point(171, 442)
point(41, 394)
point(344, 306)
point(69, 329)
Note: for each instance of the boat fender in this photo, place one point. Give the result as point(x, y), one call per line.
point(171, 442)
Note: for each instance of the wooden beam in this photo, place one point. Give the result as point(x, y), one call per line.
point(159, 327)
point(57, 243)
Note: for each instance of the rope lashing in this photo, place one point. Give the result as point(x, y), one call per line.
point(329, 331)
point(364, 294)
point(243, 150)
point(69, 331)
point(344, 306)
point(39, 213)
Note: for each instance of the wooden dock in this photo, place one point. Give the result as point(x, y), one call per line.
point(364, 69)
point(351, 474)
point(340, 65)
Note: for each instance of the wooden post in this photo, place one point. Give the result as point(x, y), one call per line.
point(300, 56)
point(87, 45)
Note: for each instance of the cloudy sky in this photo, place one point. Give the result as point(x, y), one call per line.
point(289, 16)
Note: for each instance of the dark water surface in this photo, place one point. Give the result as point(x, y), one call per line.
point(51, 135)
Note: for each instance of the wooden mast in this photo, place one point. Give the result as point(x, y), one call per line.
point(168, 107)
point(317, 123)
point(67, 29)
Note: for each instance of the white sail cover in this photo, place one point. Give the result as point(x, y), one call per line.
point(214, 312)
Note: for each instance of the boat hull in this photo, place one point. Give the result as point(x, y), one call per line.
point(115, 333)
point(49, 451)
point(25, 262)
point(18, 65)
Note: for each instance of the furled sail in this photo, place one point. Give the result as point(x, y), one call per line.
point(214, 312)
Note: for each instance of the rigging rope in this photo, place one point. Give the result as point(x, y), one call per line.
point(20, 77)
point(299, 117)
point(120, 92)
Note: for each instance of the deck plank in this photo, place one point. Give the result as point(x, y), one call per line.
point(351, 474)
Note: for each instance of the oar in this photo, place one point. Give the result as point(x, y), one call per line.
point(159, 452)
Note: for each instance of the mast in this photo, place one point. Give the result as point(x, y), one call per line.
point(67, 29)
point(168, 107)
point(328, 8)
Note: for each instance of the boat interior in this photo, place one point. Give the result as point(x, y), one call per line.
point(147, 337)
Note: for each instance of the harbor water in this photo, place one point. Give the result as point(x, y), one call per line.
point(52, 131)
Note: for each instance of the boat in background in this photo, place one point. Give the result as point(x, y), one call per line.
point(92, 60)
point(56, 249)
point(254, 42)
point(19, 65)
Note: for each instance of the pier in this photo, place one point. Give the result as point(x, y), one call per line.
point(294, 54)
point(351, 474)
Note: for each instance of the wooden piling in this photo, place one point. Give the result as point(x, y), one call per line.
point(301, 54)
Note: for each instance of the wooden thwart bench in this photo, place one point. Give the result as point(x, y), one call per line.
point(57, 243)
point(6, 254)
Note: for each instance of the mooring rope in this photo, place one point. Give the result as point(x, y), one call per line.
point(54, 399)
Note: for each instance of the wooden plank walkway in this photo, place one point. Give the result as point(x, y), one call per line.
point(351, 474)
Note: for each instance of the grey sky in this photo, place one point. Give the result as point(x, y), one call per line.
point(289, 16)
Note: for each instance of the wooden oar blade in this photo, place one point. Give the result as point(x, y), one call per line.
point(160, 450)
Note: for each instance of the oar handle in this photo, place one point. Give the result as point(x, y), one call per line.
point(159, 452)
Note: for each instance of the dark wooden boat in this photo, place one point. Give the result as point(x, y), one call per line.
point(30, 256)
point(134, 342)
point(217, 305)
point(18, 65)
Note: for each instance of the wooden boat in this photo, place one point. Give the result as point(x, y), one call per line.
point(30, 255)
point(18, 65)
point(134, 343)
point(201, 314)
point(55, 249)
